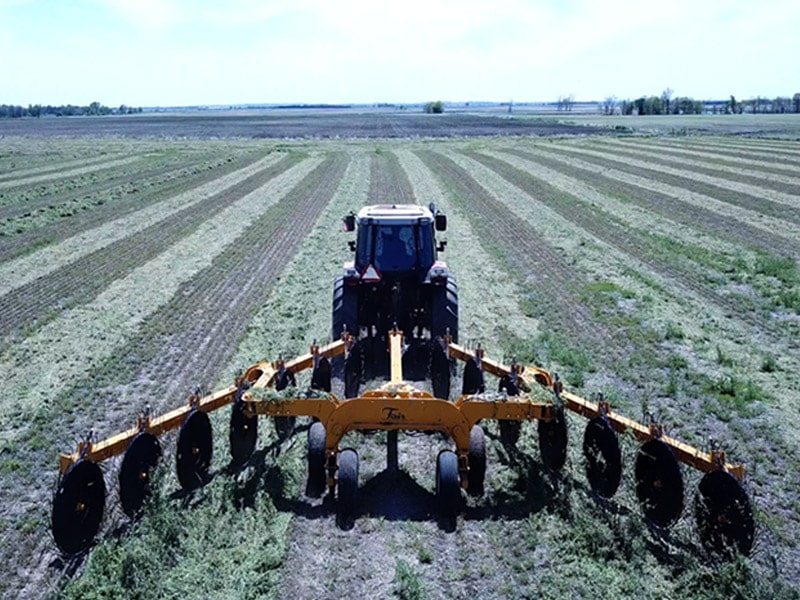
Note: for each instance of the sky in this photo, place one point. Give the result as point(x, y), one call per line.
point(217, 52)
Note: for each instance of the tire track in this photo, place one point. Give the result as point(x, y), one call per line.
point(37, 302)
point(675, 203)
point(618, 234)
point(388, 183)
point(537, 263)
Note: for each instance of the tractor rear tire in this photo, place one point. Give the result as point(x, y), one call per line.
point(345, 309)
point(444, 310)
point(448, 484)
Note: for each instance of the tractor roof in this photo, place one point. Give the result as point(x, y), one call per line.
point(399, 214)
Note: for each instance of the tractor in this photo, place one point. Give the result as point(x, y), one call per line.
point(395, 281)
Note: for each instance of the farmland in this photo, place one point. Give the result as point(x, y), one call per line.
point(137, 265)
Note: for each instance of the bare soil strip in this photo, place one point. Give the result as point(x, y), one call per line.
point(30, 306)
point(705, 164)
point(397, 522)
point(58, 165)
point(71, 195)
point(64, 174)
point(760, 168)
point(18, 272)
point(619, 234)
point(484, 288)
point(781, 205)
point(555, 283)
point(751, 229)
point(780, 154)
point(189, 340)
point(130, 196)
point(65, 349)
point(388, 182)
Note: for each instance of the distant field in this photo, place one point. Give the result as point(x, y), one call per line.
point(290, 124)
point(783, 126)
point(661, 271)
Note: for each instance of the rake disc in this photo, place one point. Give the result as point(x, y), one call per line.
point(352, 372)
point(285, 425)
point(603, 457)
point(140, 459)
point(509, 430)
point(473, 379)
point(724, 515)
point(659, 483)
point(243, 433)
point(194, 450)
point(321, 375)
point(553, 440)
point(78, 507)
point(440, 371)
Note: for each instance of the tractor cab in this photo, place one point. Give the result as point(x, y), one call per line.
point(395, 239)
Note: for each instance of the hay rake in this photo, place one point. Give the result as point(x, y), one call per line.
point(723, 512)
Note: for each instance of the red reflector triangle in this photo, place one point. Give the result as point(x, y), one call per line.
point(370, 274)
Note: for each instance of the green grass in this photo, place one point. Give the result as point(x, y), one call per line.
point(225, 540)
point(408, 583)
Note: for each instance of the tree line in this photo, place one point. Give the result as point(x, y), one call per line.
point(665, 104)
point(65, 110)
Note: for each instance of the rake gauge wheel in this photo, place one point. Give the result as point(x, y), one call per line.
point(448, 483)
point(347, 484)
point(659, 483)
point(78, 506)
point(140, 459)
point(193, 458)
point(724, 515)
point(603, 457)
point(477, 461)
point(317, 479)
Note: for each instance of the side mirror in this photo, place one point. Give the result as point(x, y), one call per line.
point(349, 222)
point(441, 222)
point(440, 247)
point(352, 245)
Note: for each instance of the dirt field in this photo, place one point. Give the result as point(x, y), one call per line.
point(660, 271)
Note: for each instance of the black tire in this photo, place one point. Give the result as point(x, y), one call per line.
point(448, 484)
point(444, 310)
point(477, 461)
point(345, 308)
point(347, 484)
point(315, 486)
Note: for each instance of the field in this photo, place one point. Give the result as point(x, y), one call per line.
point(139, 264)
